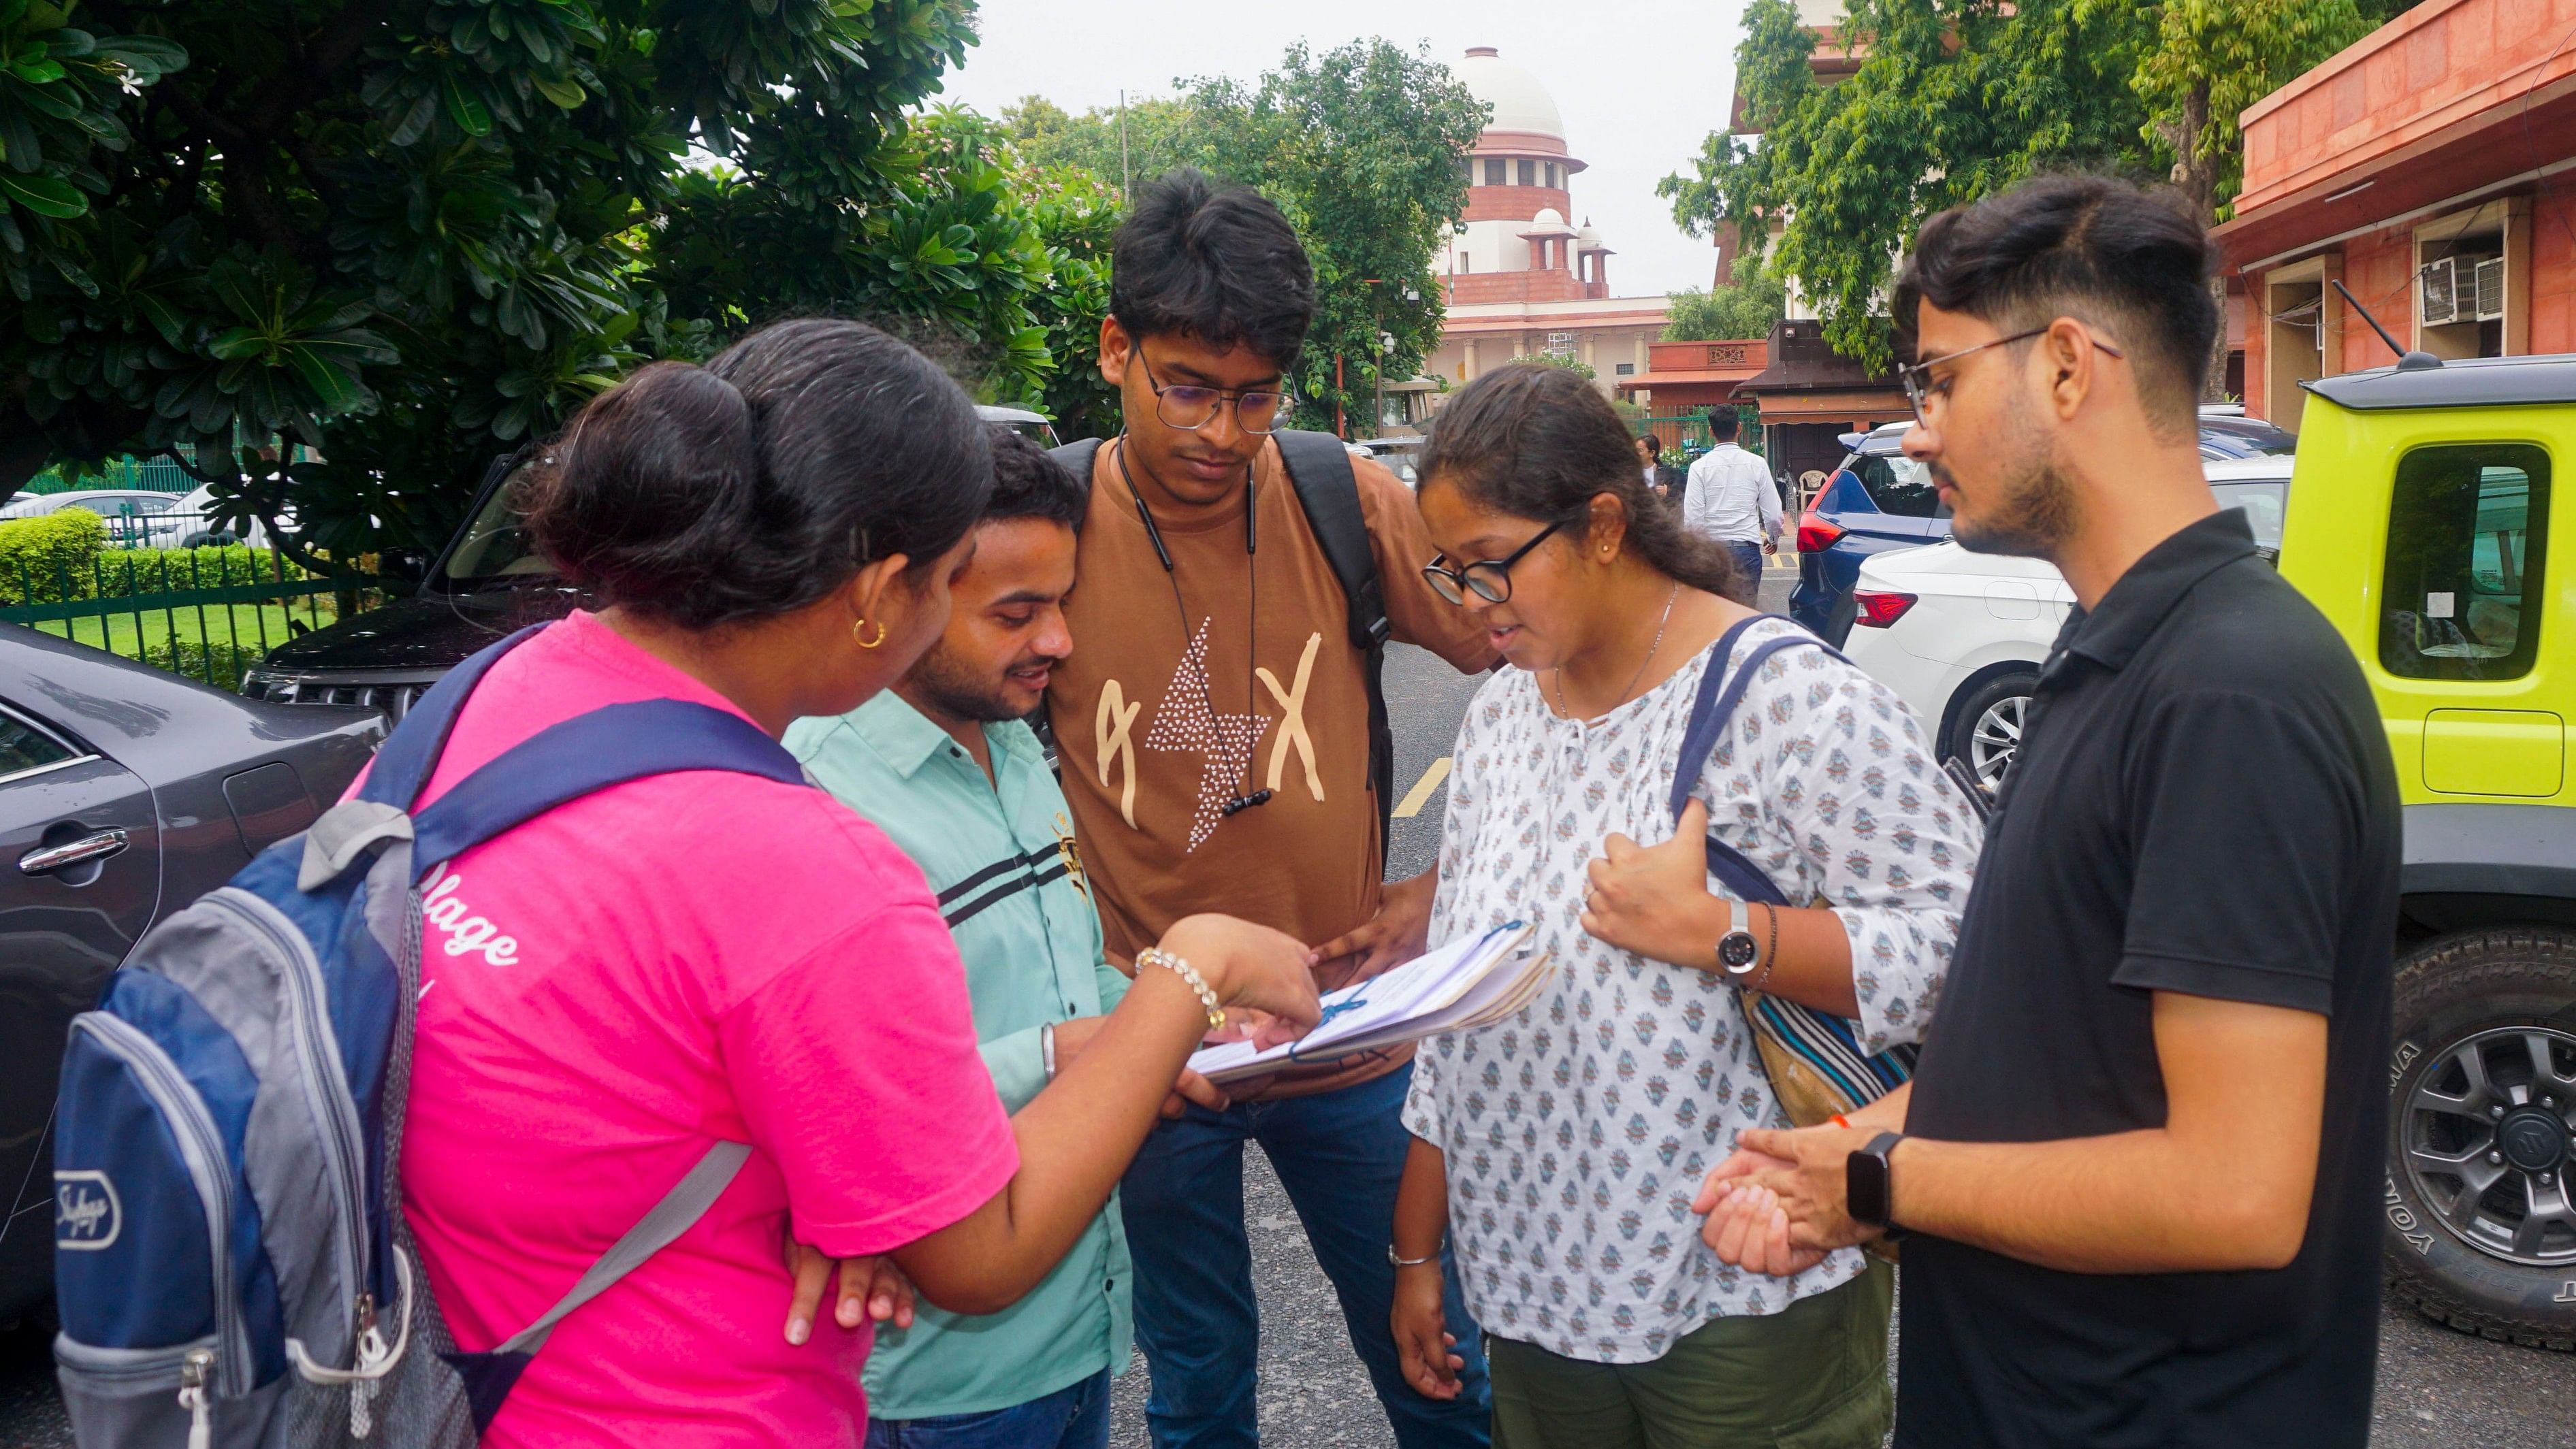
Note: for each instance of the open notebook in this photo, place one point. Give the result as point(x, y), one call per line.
point(1470, 982)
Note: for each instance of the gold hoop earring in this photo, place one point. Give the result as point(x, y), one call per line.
point(868, 643)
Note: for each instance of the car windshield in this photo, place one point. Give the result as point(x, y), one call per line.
point(2246, 438)
point(495, 545)
point(2264, 500)
point(1897, 484)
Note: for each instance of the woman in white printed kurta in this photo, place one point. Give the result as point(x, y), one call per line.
point(1560, 1151)
point(1578, 1133)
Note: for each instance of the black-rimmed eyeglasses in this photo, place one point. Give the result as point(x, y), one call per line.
point(1189, 407)
point(1491, 581)
point(1916, 377)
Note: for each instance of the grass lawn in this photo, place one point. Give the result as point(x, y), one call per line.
point(238, 634)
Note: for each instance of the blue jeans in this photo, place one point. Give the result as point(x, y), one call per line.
point(1340, 1155)
point(1070, 1418)
point(1748, 566)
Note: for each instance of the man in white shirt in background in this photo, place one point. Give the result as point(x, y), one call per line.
point(1731, 498)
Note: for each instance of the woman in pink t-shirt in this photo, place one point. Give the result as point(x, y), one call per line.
point(614, 986)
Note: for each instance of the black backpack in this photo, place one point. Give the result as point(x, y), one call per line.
point(1319, 468)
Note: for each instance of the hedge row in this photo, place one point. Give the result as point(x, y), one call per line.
point(62, 556)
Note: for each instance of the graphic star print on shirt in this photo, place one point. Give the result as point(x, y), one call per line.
point(1184, 723)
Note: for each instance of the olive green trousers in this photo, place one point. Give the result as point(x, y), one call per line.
point(1813, 1376)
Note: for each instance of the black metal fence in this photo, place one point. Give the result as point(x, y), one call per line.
point(207, 612)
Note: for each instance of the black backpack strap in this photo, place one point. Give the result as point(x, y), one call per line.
point(1319, 468)
point(1076, 456)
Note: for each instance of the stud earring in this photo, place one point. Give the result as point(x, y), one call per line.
point(868, 643)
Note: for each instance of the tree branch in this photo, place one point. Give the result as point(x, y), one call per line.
point(264, 506)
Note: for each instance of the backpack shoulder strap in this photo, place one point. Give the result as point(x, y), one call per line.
point(608, 746)
point(489, 1375)
point(1076, 456)
point(1328, 489)
point(1319, 468)
point(403, 763)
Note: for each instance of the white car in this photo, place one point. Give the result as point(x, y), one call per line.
point(1960, 636)
point(135, 516)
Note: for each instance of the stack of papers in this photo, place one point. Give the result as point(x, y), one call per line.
point(1471, 982)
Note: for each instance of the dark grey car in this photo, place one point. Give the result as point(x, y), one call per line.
point(125, 793)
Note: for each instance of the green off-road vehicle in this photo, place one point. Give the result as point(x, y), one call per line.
point(2420, 521)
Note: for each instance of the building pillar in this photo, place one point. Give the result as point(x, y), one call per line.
point(1472, 370)
point(1643, 338)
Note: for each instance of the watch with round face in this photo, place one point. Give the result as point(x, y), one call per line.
point(1738, 952)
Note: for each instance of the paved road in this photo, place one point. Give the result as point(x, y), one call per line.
point(2438, 1389)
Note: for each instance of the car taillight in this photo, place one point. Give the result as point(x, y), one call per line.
point(1879, 608)
point(1815, 535)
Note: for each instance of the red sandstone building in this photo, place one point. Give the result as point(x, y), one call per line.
point(2431, 167)
point(1520, 278)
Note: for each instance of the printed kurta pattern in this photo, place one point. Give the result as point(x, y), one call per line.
point(1577, 1133)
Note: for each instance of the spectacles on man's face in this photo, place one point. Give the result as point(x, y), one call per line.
point(1921, 387)
point(1491, 581)
point(1189, 407)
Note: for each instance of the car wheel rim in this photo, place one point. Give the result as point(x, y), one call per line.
point(1996, 741)
point(2488, 1142)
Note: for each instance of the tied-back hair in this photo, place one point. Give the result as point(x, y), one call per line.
point(760, 483)
point(1541, 443)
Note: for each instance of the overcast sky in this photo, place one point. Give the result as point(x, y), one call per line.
point(1639, 83)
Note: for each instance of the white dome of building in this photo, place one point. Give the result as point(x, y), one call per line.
point(1547, 216)
point(1520, 103)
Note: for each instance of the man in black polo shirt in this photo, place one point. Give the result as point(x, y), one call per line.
point(2140, 1159)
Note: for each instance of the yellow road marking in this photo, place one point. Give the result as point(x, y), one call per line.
point(1415, 798)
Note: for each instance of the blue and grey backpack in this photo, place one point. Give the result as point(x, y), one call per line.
point(231, 1261)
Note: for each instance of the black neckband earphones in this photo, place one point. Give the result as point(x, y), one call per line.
point(1248, 797)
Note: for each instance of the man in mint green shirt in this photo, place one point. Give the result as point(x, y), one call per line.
point(946, 765)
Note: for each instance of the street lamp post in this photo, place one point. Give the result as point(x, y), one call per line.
point(1386, 349)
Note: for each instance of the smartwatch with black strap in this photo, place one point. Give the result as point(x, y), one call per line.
point(1869, 1184)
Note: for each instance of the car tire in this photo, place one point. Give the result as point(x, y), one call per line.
point(2487, 994)
point(1985, 729)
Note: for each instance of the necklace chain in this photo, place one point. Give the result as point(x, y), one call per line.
point(1651, 650)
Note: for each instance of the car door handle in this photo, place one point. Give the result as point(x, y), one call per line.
point(72, 852)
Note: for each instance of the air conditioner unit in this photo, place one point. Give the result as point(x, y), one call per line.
point(2490, 290)
point(2441, 293)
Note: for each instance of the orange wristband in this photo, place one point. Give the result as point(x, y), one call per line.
point(1838, 1121)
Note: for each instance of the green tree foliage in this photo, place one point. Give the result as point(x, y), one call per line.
point(1958, 99)
point(1744, 310)
point(1360, 146)
point(1575, 365)
point(410, 234)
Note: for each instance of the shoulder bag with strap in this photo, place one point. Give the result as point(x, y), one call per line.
point(1813, 1058)
point(1319, 468)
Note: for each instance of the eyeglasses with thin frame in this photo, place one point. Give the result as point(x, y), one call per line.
point(1920, 389)
point(1491, 580)
point(1189, 407)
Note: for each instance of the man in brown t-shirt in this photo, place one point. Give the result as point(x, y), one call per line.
point(1213, 728)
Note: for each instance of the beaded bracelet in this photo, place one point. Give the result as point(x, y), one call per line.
point(1157, 956)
